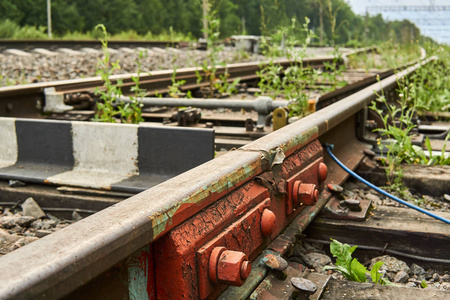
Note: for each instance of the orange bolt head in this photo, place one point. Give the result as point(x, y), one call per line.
point(268, 221)
point(233, 268)
point(308, 193)
point(323, 172)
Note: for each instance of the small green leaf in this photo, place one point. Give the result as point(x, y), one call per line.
point(376, 276)
point(423, 284)
point(358, 270)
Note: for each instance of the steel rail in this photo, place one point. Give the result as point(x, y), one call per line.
point(59, 263)
point(27, 44)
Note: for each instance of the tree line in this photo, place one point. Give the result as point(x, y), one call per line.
point(333, 21)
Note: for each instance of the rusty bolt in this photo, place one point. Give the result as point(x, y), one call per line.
point(268, 221)
point(305, 193)
point(323, 172)
point(228, 267)
point(335, 188)
point(275, 262)
point(305, 286)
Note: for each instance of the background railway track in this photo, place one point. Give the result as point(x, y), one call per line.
point(29, 45)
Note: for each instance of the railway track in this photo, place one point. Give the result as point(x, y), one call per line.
point(29, 45)
point(197, 234)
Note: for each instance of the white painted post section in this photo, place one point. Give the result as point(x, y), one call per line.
point(104, 154)
point(8, 142)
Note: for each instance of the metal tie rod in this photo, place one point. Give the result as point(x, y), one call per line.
point(262, 105)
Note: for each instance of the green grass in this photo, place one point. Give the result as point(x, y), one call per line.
point(11, 30)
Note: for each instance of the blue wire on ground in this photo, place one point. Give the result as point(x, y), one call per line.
point(329, 147)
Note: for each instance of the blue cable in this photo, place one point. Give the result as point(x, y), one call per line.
point(330, 147)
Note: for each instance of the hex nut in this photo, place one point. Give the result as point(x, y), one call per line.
point(233, 268)
point(307, 194)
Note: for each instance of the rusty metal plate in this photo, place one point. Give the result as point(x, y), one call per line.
point(244, 235)
point(307, 175)
point(334, 210)
point(175, 260)
point(233, 221)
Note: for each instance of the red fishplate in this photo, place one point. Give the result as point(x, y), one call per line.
point(245, 236)
point(213, 249)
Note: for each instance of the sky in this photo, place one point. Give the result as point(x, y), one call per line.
point(435, 24)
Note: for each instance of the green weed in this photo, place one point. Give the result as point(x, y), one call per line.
point(109, 109)
point(351, 268)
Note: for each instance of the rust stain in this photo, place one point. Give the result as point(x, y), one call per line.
point(182, 210)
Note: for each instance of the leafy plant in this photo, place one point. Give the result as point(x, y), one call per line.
point(224, 87)
point(333, 70)
point(351, 268)
point(132, 112)
point(397, 121)
point(106, 112)
point(174, 88)
point(292, 81)
point(109, 109)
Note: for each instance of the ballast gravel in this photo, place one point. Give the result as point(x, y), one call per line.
point(26, 223)
point(37, 67)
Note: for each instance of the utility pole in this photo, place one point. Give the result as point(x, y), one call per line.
point(321, 23)
point(49, 18)
point(205, 19)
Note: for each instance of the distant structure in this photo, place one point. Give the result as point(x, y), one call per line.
point(432, 20)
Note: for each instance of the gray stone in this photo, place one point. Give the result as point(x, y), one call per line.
point(52, 217)
point(411, 284)
point(16, 220)
point(36, 224)
point(447, 197)
point(41, 233)
point(7, 241)
point(47, 224)
point(445, 278)
point(372, 197)
point(445, 286)
point(31, 208)
point(401, 277)
point(429, 275)
point(417, 270)
point(317, 260)
point(76, 216)
point(391, 264)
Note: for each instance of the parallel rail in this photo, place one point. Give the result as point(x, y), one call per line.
point(125, 249)
point(78, 44)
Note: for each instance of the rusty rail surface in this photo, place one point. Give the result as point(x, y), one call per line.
point(175, 239)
